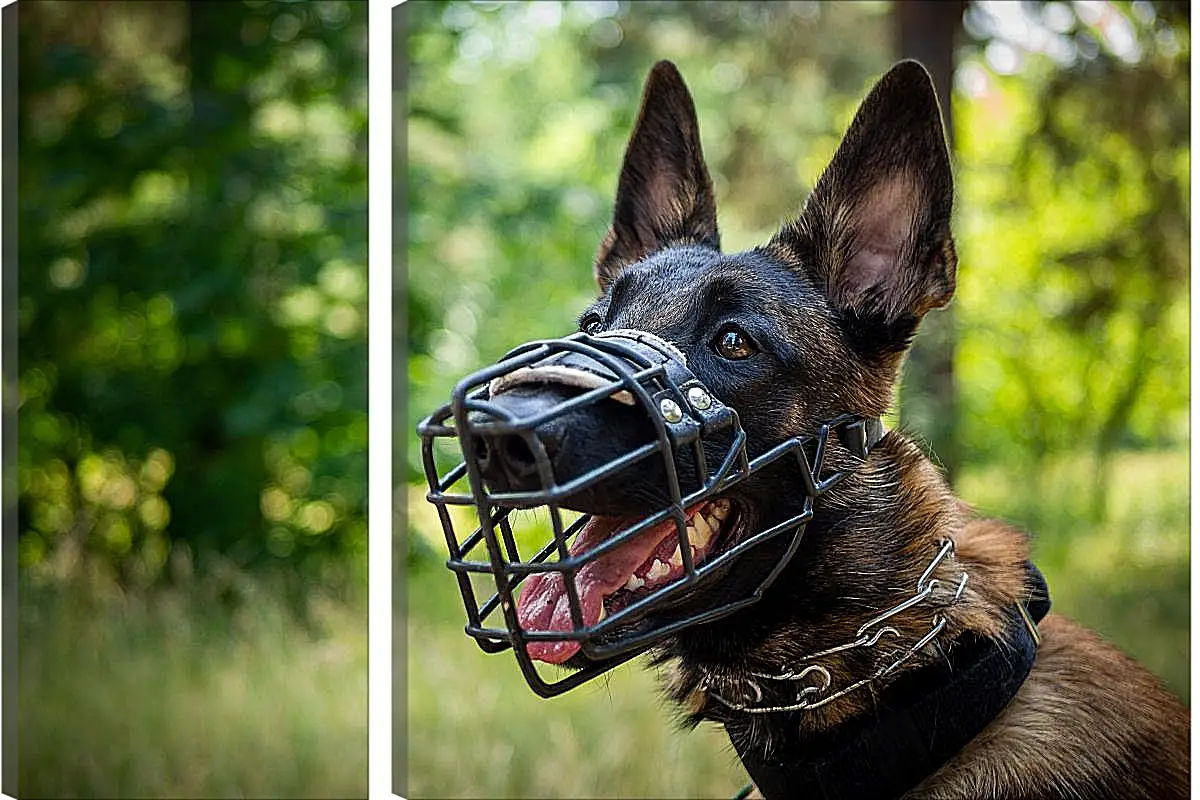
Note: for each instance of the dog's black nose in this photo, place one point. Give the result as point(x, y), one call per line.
point(507, 460)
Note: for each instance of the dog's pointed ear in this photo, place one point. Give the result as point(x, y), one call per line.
point(875, 233)
point(664, 196)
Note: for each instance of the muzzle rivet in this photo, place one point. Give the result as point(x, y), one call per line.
point(670, 410)
point(699, 398)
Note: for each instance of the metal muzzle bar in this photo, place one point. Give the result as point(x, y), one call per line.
point(691, 448)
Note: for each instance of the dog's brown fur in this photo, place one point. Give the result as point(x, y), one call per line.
point(1088, 722)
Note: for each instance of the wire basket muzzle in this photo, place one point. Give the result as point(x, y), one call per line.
point(563, 438)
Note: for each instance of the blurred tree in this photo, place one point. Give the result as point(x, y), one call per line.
point(928, 31)
point(192, 350)
point(1082, 165)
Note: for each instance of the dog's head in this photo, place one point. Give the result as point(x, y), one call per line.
point(809, 326)
point(815, 322)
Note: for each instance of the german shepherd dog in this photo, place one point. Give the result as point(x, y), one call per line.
point(812, 325)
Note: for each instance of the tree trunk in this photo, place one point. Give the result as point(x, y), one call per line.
point(926, 31)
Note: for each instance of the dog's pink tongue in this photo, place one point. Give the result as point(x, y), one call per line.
point(543, 604)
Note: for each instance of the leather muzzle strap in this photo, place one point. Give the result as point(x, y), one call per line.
point(920, 723)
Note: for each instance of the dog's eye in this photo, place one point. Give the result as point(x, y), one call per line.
point(733, 343)
point(591, 323)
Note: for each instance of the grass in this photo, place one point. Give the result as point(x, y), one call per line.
point(1123, 571)
point(474, 729)
point(173, 694)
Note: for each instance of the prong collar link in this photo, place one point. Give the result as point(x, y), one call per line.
point(813, 681)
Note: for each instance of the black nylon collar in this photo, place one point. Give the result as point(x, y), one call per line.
point(920, 723)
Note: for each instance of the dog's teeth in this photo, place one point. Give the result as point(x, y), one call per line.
point(701, 533)
point(634, 583)
point(657, 570)
point(603, 613)
point(677, 557)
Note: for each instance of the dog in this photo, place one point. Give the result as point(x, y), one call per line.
point(902, 647)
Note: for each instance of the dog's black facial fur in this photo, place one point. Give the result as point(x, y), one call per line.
point(828, 306)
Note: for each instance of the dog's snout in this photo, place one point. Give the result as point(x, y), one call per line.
point(518, 456)
point(574, 425)
point(509, 460)
point(534, 438)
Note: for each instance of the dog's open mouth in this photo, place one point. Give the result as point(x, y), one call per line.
point(621, 576)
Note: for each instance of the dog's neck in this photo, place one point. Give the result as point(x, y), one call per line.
point(870, 541)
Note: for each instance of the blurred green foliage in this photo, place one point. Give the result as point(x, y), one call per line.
point(1074, 232)
point(192, 288)
point(191, 391)
point(1070, 330)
